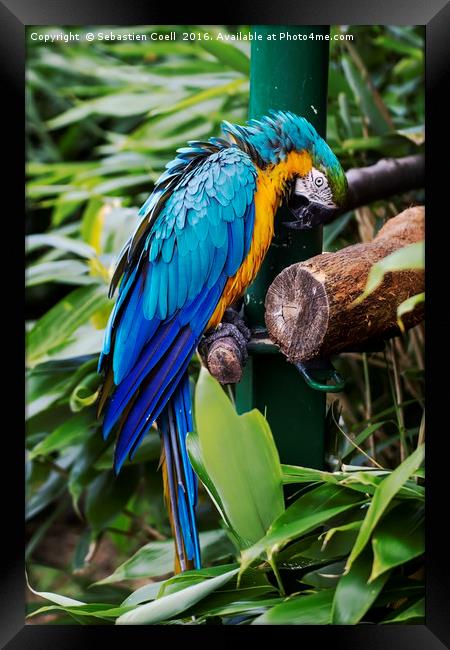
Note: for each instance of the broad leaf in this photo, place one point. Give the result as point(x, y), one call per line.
point(57, 325)
point(241, 460)
point(354, 593)
point(68, 433)
point(382, 497)
point(309, 511)
point(174, 604)
point(108, 495)
point(409, 614)
point(157, 558)
point(398, 538)
point(308, 609)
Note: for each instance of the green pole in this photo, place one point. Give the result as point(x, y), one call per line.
point(291, 74)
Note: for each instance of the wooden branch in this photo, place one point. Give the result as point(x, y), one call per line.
point(387, 177)
point(309, 310)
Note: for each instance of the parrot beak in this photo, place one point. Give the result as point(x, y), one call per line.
point(308, 214)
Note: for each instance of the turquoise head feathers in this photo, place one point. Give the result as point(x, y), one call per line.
point(269, 140)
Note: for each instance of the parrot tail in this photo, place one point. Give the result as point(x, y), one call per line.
point(180, 482)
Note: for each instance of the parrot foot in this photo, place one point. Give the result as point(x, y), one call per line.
point(224, 350)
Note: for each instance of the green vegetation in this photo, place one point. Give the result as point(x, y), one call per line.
point(103, 119)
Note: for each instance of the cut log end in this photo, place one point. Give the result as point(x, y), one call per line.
point(297, 312)
point(310, 309)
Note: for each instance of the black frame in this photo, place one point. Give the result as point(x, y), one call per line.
point(15, 15)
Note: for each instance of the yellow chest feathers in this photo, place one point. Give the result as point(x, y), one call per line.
point(270, 187)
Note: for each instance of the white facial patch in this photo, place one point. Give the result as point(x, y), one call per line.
point(315, 187)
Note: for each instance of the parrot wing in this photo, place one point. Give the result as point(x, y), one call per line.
point(196, 231)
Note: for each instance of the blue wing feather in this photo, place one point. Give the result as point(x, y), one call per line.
point(174, 281)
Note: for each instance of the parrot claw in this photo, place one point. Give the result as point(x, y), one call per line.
point(232, 326)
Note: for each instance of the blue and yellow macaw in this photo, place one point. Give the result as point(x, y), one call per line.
point(204, 232)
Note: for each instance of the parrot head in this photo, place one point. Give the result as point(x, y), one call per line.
point(314, 184)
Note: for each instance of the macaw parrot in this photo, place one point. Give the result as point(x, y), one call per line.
point(204, 232)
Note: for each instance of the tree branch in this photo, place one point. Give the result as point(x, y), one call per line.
point(387, 177)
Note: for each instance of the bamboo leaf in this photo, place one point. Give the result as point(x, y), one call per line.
point(398, 538)
point(407, 306)
point(59, 242)
point(309, 511)
point(157, 558)
point(354, 593)
point(114, 105)
point(407, 258)
point(174, 604)
point(63, 272)
point(60, 322)
point(228, 54)
point(382, 497)
point(68, 433)
point(410, 614)
point(308, 609)
point(107, 496)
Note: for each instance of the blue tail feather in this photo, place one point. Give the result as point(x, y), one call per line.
point(174, 425)
point(142, 413)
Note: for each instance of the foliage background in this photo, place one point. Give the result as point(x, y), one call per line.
point(102, 120)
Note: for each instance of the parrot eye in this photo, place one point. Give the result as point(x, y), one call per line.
point(318, 181)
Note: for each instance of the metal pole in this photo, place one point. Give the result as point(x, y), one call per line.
point(291, 74)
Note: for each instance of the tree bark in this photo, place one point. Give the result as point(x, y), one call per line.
point(387, 177)
point(309, 306)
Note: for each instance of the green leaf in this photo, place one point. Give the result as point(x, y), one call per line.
point(114, 105)
point(85, 393)
point(398, 538)
point(365, 97)
point(187, 578)
point(157, 558)
point(108, 495)
point(396, 45)
point(382, 497)
point(45, 385)
point(409, 614)
point(240, 457)
point(308, 609)
point(53, 487)
point(241, 601)
point(64, 601)
point(360, 438)
point(143, 594)
point(195, 457)
point(369, 481)
point(335, 543)
point(92, 223)
point(228, 54)
point(309, 511)
point(174, 604)
point(122, 183)
point(326, 577)
point(85, 341)
point(295, 474)
point(149, 449)
point(68, 433)
point(56, 326)
point(354, 594)
point(63, 272)
point(407, 258)
point(34, 242)
point(407, 306)
point(332, 230)
point(97, 610)
point(82, 470)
